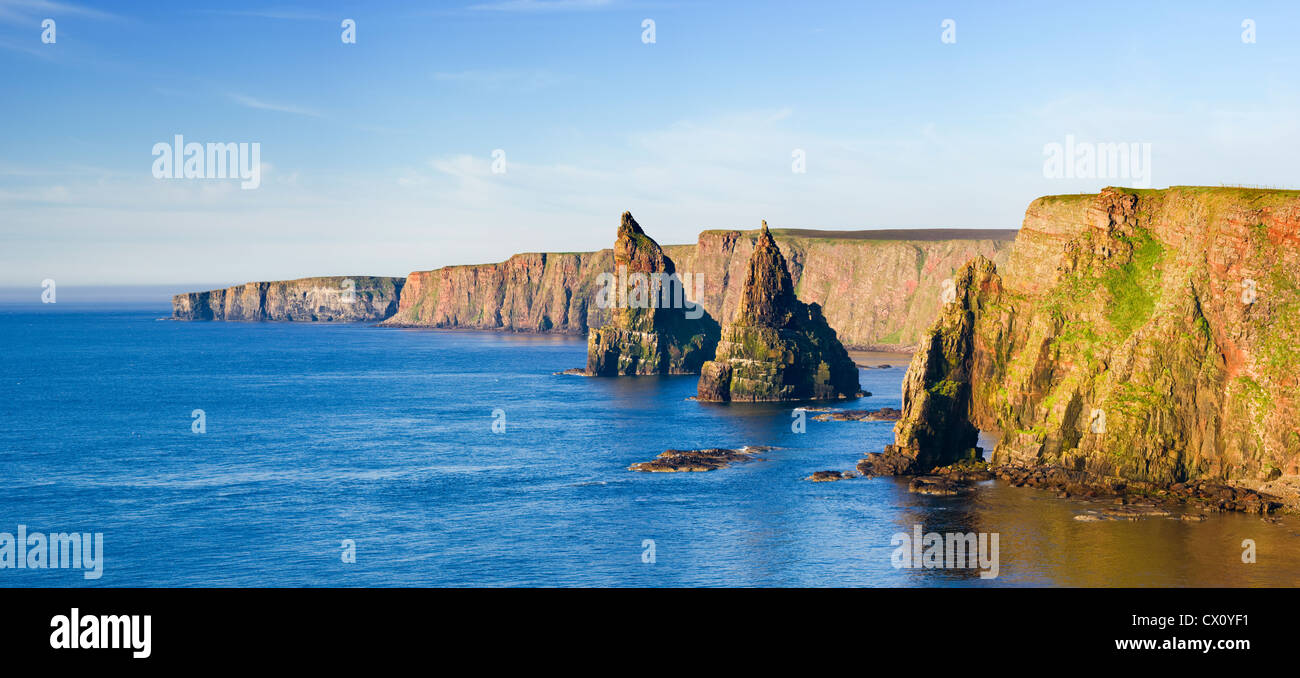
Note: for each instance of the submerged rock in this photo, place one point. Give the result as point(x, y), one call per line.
point(654, 330)
point(776, 348)
point(673, 461)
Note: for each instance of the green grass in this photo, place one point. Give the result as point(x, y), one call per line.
point(1132, 286)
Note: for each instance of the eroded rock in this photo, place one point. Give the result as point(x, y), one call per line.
point(882, 414)
point(654, 330)
point(827, 476)
point(711, 459)
point(776, 348)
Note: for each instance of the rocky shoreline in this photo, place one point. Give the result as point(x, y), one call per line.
point(1117, 499)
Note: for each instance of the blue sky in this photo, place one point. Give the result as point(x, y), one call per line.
point(376, 156)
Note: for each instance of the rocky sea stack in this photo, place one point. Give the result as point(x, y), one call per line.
point(777, 348)
point(654, 330)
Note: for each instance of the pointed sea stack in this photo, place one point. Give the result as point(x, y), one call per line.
point(654, 329)
point(777, 348)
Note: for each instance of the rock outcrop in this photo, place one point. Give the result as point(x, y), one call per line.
point(934, 428)
point(1141, 335)
point(879, 289)
point(332, 299)
point(882, 414)
point(712, 459)
point(656, 329)
point(776, 348)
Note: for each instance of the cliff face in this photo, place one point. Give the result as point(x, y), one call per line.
point(776, 347)
point(652, 331)
point(534, 292)
point(1142, 334)
point(337, 298)
point(877, 288)
point(878, 291)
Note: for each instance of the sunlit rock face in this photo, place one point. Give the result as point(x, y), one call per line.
point(655, 328)
point(776, 348)
point(1146, 335)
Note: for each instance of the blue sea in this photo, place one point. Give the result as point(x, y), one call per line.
point(317, 434)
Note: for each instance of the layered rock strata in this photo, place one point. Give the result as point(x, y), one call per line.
point(1144, 336)
point(327, 299)
point(776, 348)
point(655, 328)
point(879, 289)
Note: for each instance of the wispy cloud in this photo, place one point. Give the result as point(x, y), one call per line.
point(250, 102)
point(25, 11)
point(527, 80)
point(284, 14)
point(542, 5)
point(43, 54)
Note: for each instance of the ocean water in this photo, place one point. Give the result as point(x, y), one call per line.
point(317, 434)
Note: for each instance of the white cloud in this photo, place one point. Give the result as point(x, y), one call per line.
point(250, 102)
point(25, 11)
point(725, 171)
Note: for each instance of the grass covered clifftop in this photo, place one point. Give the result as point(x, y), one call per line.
point(1144, 334)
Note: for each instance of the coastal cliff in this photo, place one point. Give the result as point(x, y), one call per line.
point(776, 348)
point(879, 289)
point(1143, 335)
point(336, 298)
point(532, 292)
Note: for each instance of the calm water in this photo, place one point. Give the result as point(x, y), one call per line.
point(321, 433)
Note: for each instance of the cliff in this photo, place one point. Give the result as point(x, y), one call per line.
point(652, 331)
point(1145, 335)
point(776, 348)
point(336, 298)
point(879, 289)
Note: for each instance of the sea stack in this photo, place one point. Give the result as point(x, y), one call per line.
point(655, 329)
point(777, 348)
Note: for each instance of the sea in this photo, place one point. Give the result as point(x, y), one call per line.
point(215, 454)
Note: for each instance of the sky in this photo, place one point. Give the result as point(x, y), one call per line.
point(377, 156)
